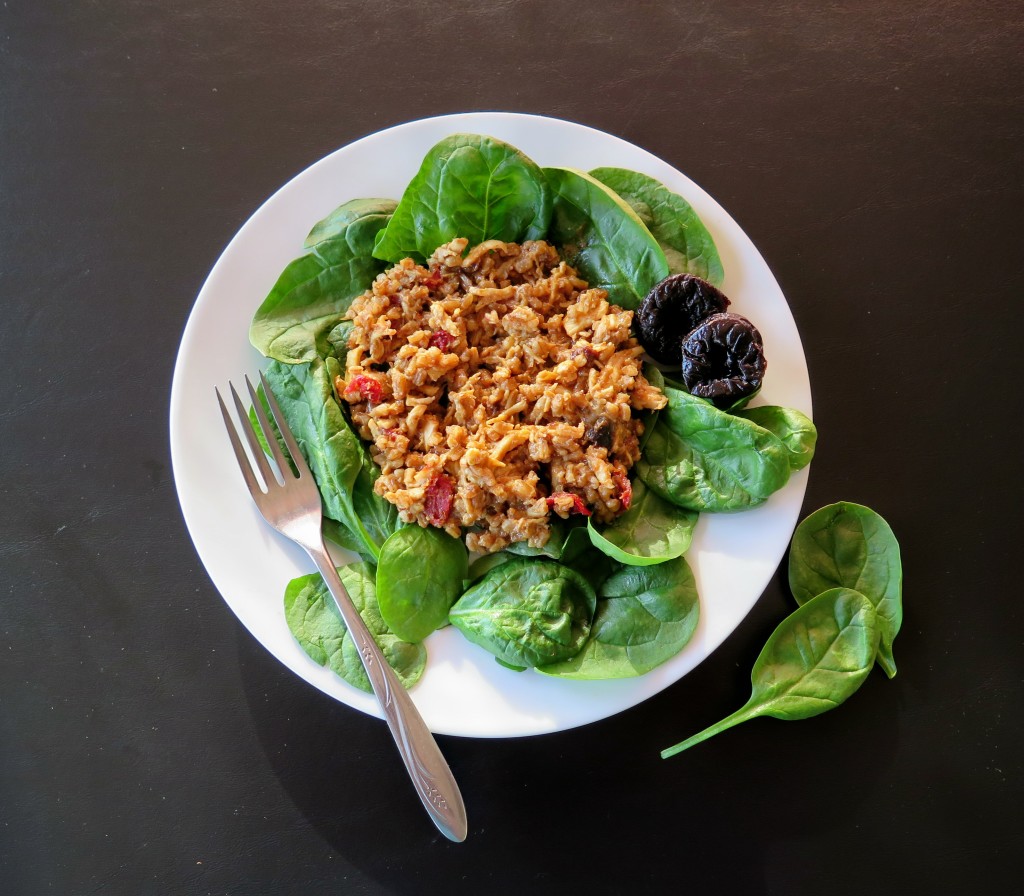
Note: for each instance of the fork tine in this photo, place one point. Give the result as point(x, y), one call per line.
point(254, 443)
point(255, 488)
point(286, 433)
point(268, 430)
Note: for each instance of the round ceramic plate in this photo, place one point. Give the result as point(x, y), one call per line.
point(463, 691)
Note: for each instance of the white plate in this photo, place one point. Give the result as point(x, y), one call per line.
point(464, 691)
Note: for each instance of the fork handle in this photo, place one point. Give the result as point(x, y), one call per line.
point(422, 757)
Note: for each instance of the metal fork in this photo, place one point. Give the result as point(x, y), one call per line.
point(294, 509)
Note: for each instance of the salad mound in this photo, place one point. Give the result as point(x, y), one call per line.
point(496, 390)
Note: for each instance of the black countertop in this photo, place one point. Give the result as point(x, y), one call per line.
point(148, 744)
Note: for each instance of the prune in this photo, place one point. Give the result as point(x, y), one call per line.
point(723, 360)
point(672, 309)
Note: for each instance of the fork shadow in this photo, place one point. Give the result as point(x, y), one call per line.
point(538, 806)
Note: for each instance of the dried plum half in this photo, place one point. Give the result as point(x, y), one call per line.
point(672, 308)
point(723, 360)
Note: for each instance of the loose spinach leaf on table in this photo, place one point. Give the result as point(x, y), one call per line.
point(316, 624)
point(688, 247)
point(420, 573)
point(817, 657)
point(527, 612)
point(791, 427)
point(651, 531)
point(343, 469)
point(849, 545)
point(314, 291)
point(468, 186)
point(705, 459)
point(602, 237)
point(645, 616)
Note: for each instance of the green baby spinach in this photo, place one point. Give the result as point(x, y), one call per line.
point(849, 545)
point(483, 564)
point(688, 247)
point(656, 378)
point(316, 624)
point(705, 459)
point(337, 341)
point(420, 573)
point(791, 427)
point(378, 516)
point(527, 612)
point(602, 237)
point(644, 616)
point(651, 531)
point(340, 463)
point(332, 529)
point(340, 535)
point(817, 657)
point(559, 531)
point(467, 186)
point(314, 291)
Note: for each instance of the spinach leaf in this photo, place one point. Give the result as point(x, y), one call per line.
point(337, 341)
point(332, 529)
point(705, 459)
point(378, 516)
point(577, 547)
point(339, 224)
point(560, 530)
point(484, 564)
point(688, 247)
point(656, 378)
point(314, 291)
point(645, 615)
point(339, 534)
point(527, 612)
point(651, 531)
point(343, 469)
point(468, 186)
point(602, 237)
point(794, 429)
point(316, 624)
point(738, 405)
point(579, 554)
point(672, 382)
point(419, 576)
point(849, 545)
point(816, 658)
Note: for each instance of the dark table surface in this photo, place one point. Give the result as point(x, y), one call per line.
point(148, 744)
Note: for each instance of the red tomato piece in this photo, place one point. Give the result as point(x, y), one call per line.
point(577, 501)
point(437, 505)
point(364, 388)
point(625, 488)
point(442, 339)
